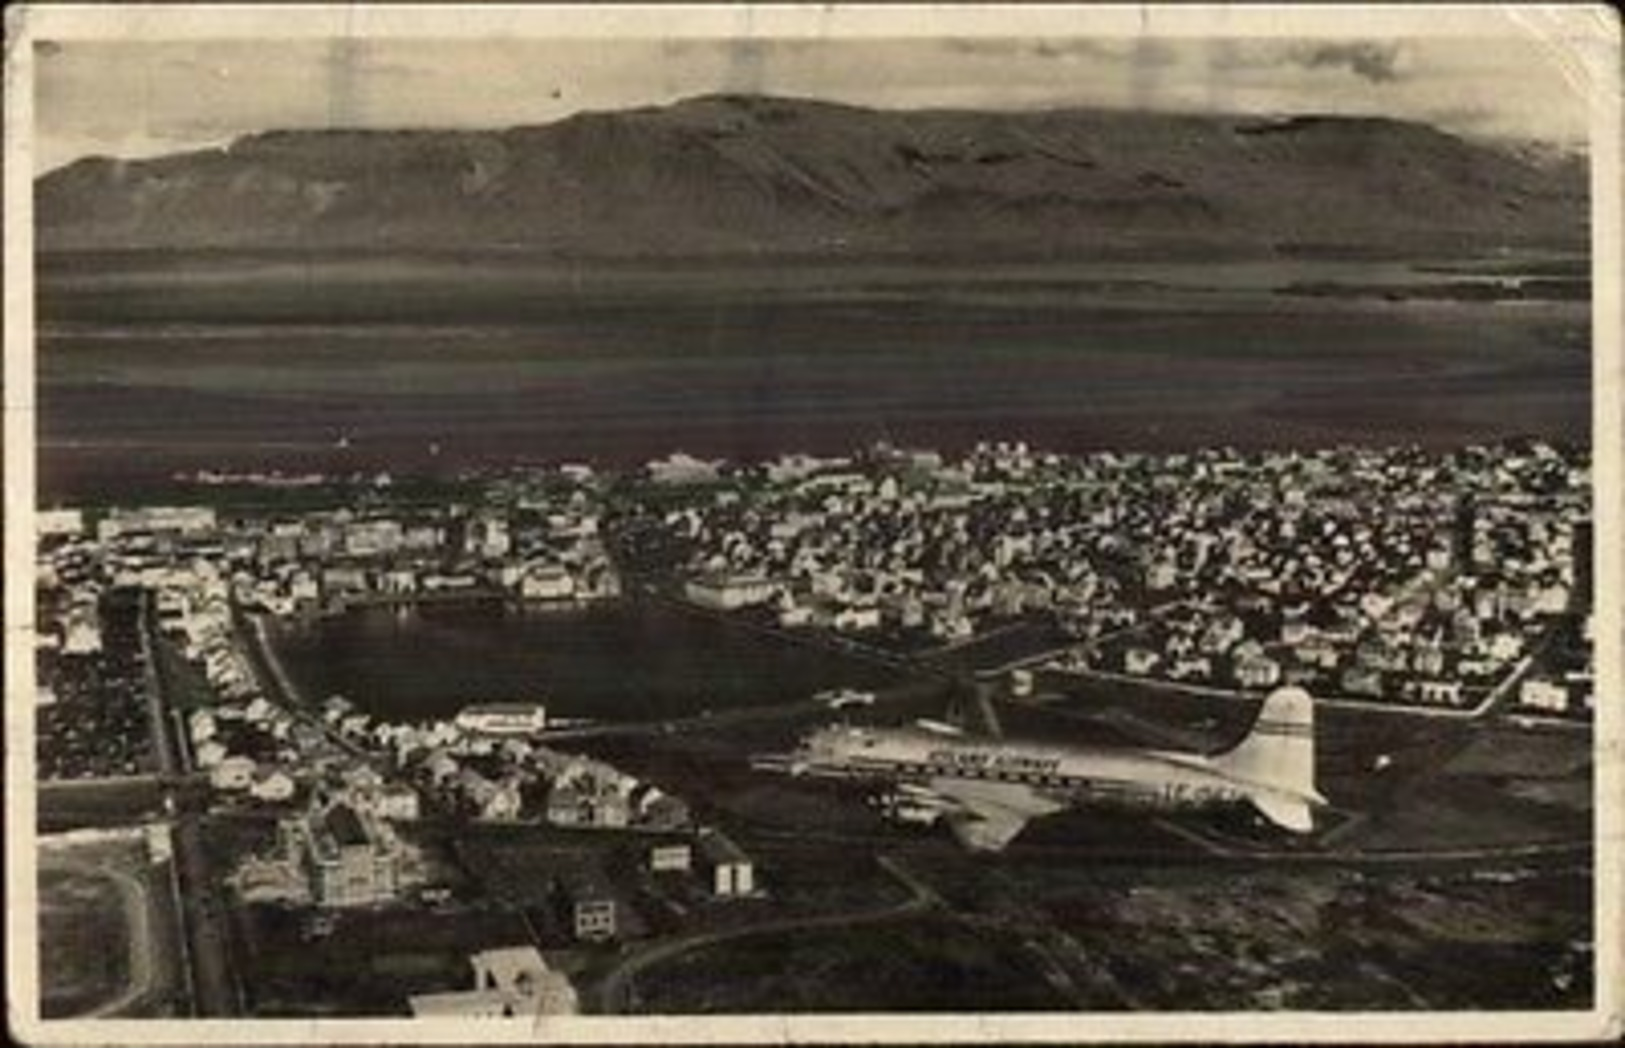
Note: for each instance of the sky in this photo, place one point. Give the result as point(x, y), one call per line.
point(141, 98)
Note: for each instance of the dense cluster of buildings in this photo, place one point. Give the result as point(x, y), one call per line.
point(196, 588)
point(1391, 574)
point(540, 547)
point(205, 573)
point(330, 559)
point(501, 776)
point(93, 716)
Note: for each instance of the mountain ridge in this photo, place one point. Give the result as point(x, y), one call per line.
point(722, 174)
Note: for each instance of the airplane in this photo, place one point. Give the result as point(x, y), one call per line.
point(987, 790)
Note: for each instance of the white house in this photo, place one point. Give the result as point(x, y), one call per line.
point(724, 592)
point(666, 858)
point(1260, 671)
point(271, 784)
point(397, 802)
point(857, 617)
point(233, 773)
point(1540, 694)
point(209, 753)
point(1140, 661)
point(547, 582)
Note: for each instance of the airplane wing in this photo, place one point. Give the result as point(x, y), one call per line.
point(986, 816)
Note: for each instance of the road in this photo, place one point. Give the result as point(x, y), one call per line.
point(215, 983)
point(280, 688)
point(163, 740)
point(204, 917)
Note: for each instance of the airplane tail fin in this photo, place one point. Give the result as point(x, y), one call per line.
point(1277, 759)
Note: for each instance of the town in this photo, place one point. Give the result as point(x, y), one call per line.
point(557, 855)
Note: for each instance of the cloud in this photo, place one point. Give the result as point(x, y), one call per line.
point(133, 97)
point(960, 45)
point(1138, 51)
point(1376, 63)
point(680, 46)
point(1366, 60)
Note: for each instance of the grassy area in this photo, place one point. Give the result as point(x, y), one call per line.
point(84, 941)
point(88, 953)
point(906, 966)
point(1325, 939)
point(1525, 754)
point(371, 962)
point(69, 806)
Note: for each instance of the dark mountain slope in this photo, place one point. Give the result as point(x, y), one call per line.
point(732, 174)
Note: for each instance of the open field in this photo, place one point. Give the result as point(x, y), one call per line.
point(369, 964)
point(109, 932)
point(97, 803)
point(1327, 939)
point(84, 940)
point(925, 964)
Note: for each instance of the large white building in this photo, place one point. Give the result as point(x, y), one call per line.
point(347, 858)
point(511, 982)
point(730, 592)
point(185, 520)
point(503, 718)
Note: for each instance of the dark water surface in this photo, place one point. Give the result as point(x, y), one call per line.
point(430, 661)
point(150, 366)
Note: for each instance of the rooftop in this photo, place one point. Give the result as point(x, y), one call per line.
point(342, 822)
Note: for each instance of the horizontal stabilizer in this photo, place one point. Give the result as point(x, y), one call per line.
point(986, 833)
point(1289, 813)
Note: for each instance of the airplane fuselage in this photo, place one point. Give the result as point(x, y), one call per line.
point(1067, 775)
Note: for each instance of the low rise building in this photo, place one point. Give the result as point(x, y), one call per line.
point(729, 592)
point(671, 858)
point(547, 582)
point(233, 773)
point(587, 905)
point(728, 870)
point(1539, 694)
point(272, 785)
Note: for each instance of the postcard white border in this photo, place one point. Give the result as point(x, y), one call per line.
point(1590, 34)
